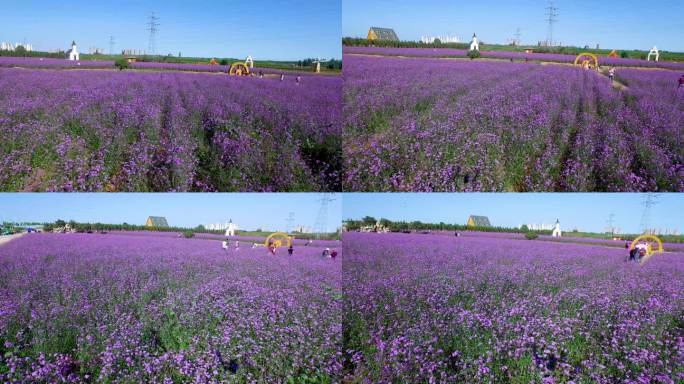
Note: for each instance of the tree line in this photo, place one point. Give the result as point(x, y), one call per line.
point(402, 226)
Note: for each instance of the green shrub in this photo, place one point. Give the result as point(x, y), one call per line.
point(224, 62)
point(624, 54)
point(188, 234)
point(531, 236)
point(121, 63)
point(473, 54)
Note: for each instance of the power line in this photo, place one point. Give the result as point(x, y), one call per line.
point(552, 18)
point(111, 45)
point(153, 28)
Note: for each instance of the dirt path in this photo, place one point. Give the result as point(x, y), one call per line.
point(8, 238)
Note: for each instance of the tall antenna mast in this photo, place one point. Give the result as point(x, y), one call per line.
point(648, 201)
point(322, 218)
point(153, 28)
point(552, 19)
point(611, 220)
point(517, 36)
point(111, 45)
point(290, 221)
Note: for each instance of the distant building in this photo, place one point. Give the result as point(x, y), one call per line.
point(232, 227)
point(478, 221)
point(6, 46)
point(73, 54)
point(375, 33)
point(442, 39)
point(302, 229)
point(539, 227)
point(556, 229)
point(156, 221)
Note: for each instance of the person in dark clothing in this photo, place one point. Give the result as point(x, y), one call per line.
point(681, 82)
point(333, 254)
point(290, 250)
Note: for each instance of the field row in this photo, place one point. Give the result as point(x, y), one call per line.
point(451, 125)
point(125, 131)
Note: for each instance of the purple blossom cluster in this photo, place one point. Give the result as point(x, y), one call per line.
point(167, 131)
point(453, 125)
point(436, 309)
point(101, 308)
point(550, 57)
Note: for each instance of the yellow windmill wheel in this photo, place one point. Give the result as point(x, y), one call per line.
point(586, 58)
point(239, 69)
point(278, 239)
point(650, 240)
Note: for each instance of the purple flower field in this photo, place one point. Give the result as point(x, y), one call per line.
point(241, 238)
point(434, 309)
point(142, 131)
point(455, 125)
point(552, 57)
point(35, 62)
point(117, 309)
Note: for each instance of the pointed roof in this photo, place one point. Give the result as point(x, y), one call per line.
point(158, 221)
point(480, 221)
point(384, 34)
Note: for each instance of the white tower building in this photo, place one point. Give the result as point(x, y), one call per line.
point(232, 227)
point(73, 52)
point(474, 45)
point(556, 229)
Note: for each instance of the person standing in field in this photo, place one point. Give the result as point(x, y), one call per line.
point(681, 83)
point(333, 254)
point(282, 77)
point(290, 250)
point(611, 74)
point(299, 79)
point(326, 252)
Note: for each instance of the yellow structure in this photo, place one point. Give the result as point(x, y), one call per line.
point(239, 69)
point(649, 240)
point(478, 221)
point(586, 59)
point(213, 62)
point(613, 54)
point(156, 221)
point(278, 239)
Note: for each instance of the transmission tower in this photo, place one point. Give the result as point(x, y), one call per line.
point(322, 218)
point(648, 201)
point(552, 18)
point(611, 221)
point(290, 221)
point(517, 36)
point(111, 45)
point(153, 28)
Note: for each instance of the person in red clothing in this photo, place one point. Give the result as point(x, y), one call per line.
point(681, 82)
point(333, 254)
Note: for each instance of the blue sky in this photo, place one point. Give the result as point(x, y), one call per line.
point(586, 211)
point(266, 29)
point(248, 210)
point(621, 24)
